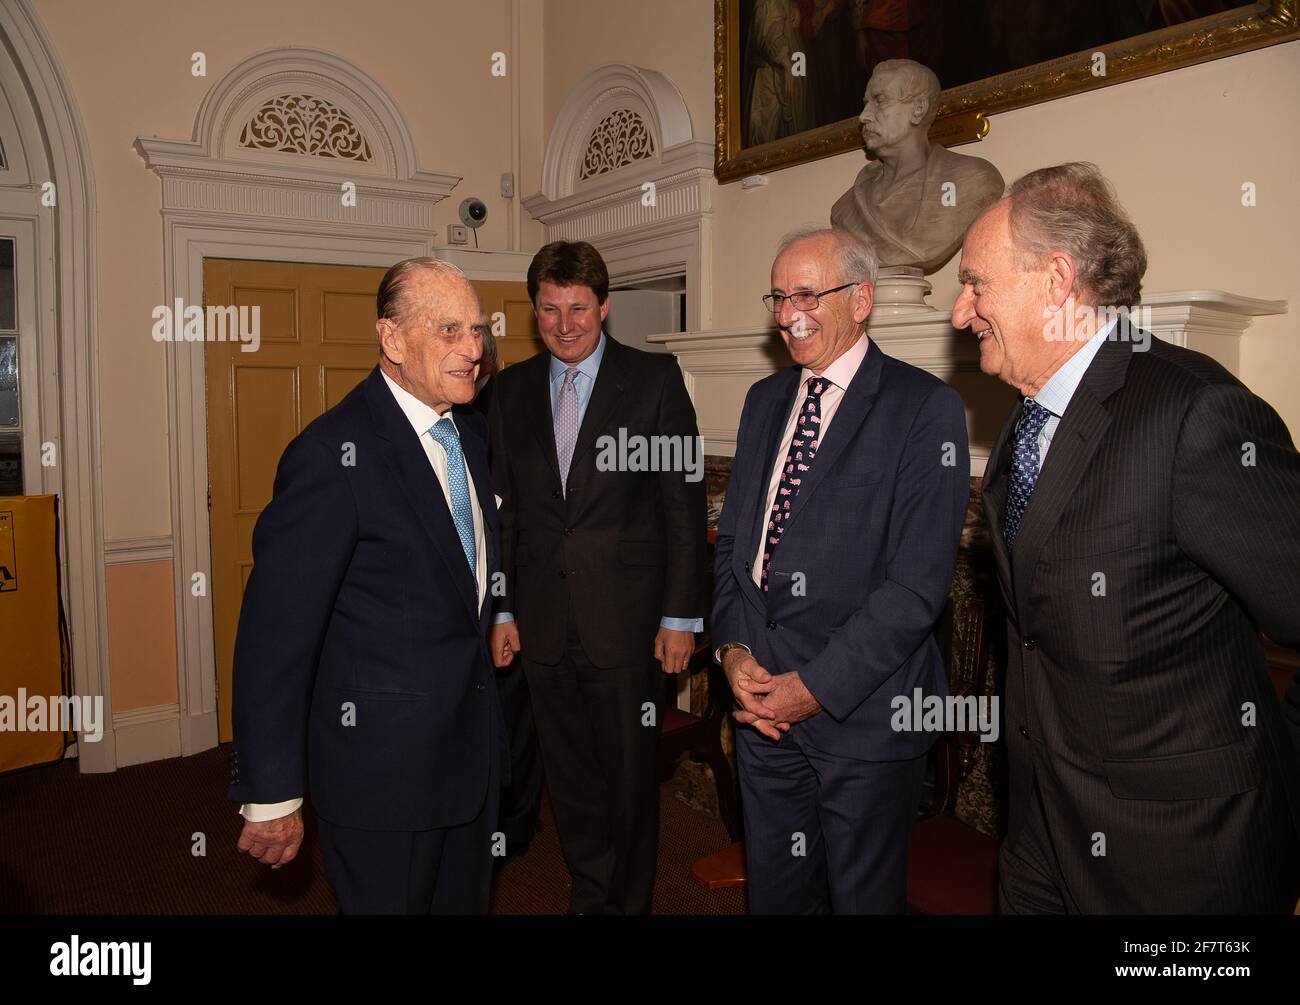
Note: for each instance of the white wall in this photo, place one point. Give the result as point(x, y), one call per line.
point(1178, 147)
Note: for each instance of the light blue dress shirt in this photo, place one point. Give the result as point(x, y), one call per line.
point(585, 382)
point(1055, 395)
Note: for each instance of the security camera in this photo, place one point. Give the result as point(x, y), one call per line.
point(473, 213)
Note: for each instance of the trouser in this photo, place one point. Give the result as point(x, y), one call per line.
point(825, 834)
point(599, 733)
point(446, 870)
point(1029, 875)
point(522, 798)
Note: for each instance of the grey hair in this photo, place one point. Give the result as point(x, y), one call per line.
point(1073, 208)
point(391, 300)
point(855, 261)
point(917, 81)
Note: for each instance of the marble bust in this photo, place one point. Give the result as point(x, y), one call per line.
point(913, 203)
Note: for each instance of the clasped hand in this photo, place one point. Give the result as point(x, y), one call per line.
point(768, 702)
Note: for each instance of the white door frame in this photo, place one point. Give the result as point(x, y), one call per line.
point(56, 142)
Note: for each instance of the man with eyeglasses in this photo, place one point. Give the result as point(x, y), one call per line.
point(362, 650)
point(835, 553)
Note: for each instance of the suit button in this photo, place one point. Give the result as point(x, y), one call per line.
point(771, 626)
point(557, 494)
point(568, 531)
point(1024, 732)
point(480, 687)
point(563, 574)
point(1030, 644)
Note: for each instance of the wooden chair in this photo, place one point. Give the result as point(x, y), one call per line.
point(700, 736)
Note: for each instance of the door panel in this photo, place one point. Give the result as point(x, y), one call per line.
point(520, 339)
point(316, 343)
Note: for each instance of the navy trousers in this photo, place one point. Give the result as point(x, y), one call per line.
point(825, 834)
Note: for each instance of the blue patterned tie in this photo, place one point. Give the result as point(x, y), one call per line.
point(444, 431)
point(803, 448)
point(1024, 465)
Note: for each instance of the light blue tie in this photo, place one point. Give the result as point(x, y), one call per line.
point(444, 431)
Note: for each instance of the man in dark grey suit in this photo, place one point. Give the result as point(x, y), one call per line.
point(1145, 514)
point(604, 561)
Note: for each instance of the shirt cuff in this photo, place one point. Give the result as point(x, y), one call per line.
point(502, 618)
point(261, 812)
point(682, 624)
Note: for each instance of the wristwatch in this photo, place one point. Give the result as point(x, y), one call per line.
point(720, 653)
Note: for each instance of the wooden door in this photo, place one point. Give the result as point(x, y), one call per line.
point(519, 339)
point(316, 342)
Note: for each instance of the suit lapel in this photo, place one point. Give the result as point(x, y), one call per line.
point(854, 408)
point(753, 519)
point(537, 405)
point(1076, 439)
point(605, 395)
point(476, 460)
point(993, 492)
point(405, 456)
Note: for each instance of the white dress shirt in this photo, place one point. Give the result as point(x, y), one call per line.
point(1056, 393)
point(839, 373)
point(422, 419)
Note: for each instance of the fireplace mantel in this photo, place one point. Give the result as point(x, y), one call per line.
point(719, 366)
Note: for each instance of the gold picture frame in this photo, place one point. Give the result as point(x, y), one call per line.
point(962, 110)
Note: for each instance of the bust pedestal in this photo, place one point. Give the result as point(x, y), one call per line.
point(901, 290)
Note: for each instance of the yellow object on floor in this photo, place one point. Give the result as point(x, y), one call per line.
point(33, 711)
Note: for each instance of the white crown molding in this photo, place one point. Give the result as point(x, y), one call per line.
point(488, 266)
point(605, 89)
point(619, 201)
point(132, 551)
point(212, 173)
point(651, 218)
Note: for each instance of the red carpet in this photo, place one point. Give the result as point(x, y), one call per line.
point(126, 843)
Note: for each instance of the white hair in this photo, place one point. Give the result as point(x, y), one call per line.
point(855, 261)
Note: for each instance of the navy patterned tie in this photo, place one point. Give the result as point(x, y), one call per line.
point(1024, 466)
point(803, 448)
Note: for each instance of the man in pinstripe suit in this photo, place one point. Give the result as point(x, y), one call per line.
point(1145, 514)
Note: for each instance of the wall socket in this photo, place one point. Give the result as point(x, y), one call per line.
point(507, 186)
point(457, 233)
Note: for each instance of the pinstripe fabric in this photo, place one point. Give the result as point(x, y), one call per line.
point(1147, 562)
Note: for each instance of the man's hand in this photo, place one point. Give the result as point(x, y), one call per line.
point(503, 643)
point(275, 842)
point(745, 675)
point(673, 649)
point(786, 697)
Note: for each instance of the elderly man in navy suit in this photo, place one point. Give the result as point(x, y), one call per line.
point(835, 552)
point(362, 658)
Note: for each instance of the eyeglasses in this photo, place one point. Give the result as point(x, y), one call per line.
point(803, 300)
